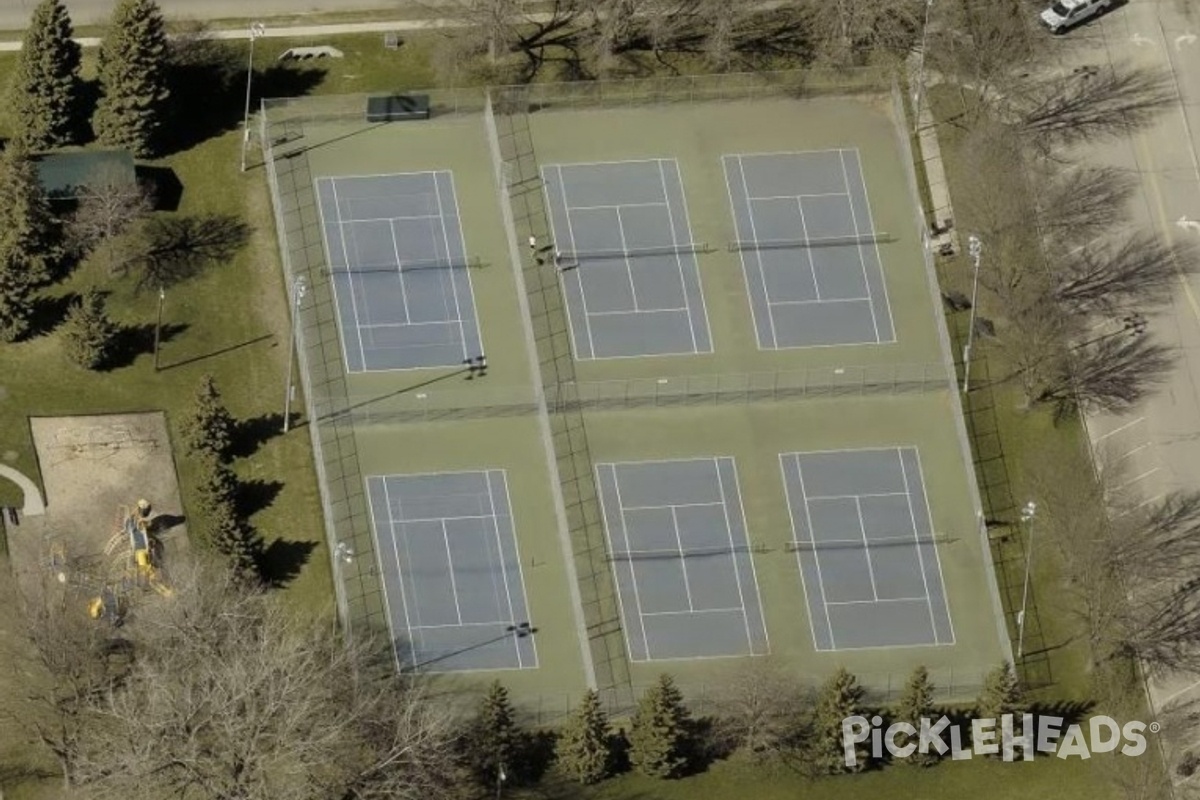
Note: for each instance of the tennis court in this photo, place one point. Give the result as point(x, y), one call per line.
point(682, 559)
point(398, 263)
point(866, 548)
point(451, 571)
point(627, 257)
point(809, 249)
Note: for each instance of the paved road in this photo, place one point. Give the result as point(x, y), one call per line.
point(15, 13)
point(1156, 448)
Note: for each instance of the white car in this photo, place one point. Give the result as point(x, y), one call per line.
point(1066, 14)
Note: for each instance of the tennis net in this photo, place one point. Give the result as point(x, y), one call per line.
point(575, 256)
point(869, 544)
point(678, 554)
point(740, 245)
point(408, 266)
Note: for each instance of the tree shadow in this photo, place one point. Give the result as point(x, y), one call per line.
point(171, 250)
point(164, 185)
point(89, 98)
point(281, 561)
point(207, 81)
point(132, 341)
point(251, 434)
point(49, 311)
point(535, 754)
point(256, 495)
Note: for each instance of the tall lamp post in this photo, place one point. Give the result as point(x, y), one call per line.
point(975, 251)
point(343, 553)
point(1028, 512)
point(299, 287)
point(162, 296)
point(257, 29)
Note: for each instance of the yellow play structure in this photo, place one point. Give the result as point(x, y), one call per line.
point(141, 557)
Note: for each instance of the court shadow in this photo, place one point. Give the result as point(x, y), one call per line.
point(299, 151)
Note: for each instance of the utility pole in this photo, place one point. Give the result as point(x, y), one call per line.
point(975, 250)
point(257, 30)
point(1028, 512)
point(299, 287)
point(162, 296)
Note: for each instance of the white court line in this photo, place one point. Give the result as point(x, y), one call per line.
point(816, 557)
point(464, 625)
point(687, 224)
point(636, 311)
point(446, 519)
point(879, 600)
point(462, 331)
point(450, 571)
point(662, 178)
point(827, 301)
point(575, 164)
point(400, 275)
point(512, 521)
point(512, 616)
point(362, 348)
point(637, 603)
point(367, 176)
point(762, 273)
point(693, 612)
point(936, 558)
point(554, 232)
point(798, 196)
point(386, 219)
point(333, 283)
point(375, 325)
point(853, 496)
point(400, 572)
point(470, 286)
point(737, 574)
point(587, 323)
point(862, 179)
point(917, 545)
point(812, 267)
point(618, 206)
point(628, 263)
point(862, 529)
point(687, 586)
point(671, 505)
point(862, 264)
point(737, 233)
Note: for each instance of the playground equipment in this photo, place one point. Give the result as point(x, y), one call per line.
point(107, 600)
point(142, 560)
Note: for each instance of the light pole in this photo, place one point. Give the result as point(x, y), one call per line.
point(342, 554)
point(162, 296)
point(975, 250)
point(257, 29)
point(1028, 512)
point(299, 287)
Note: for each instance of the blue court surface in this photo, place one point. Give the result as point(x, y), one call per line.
point(400, 271)
point(451, 571)
point(809, 249)
point(629, 270)
point(682, 559)
point(866, 548)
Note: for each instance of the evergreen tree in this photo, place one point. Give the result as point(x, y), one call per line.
point(1002, 694)
point(660, 732)
point(840, 697)
point(221, 528)
point(88, 332)
point(216, 482)
point(584, 749)
point(29, 233)
point(210, 428)
point(493, 739)
point(45, 91)
point(16, 303)
point(915, 703)
point(133, 78)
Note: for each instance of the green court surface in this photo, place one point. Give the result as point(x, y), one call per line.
point(737, 402)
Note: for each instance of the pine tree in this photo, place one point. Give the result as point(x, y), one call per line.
point(29, 233)
point(133, 78)
point(916, 702)
point(584, 749)
point(1002, 694)
point(840, 697)
point(45, 91)
point(88, 332)
point(493, 740)
point(211, 427)
point(217, 485)
point(234, 539)
point(660, 732)
point(16, 303)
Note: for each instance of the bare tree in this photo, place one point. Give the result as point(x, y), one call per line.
point(1161, 626)
point(847, 32)
point(1077, 205)
point(1160, 542)
point(234, 698)
point(108, 204)
point(1110, 374)
point(1139, 271)
point(1090, 104)
point(762, 709)
point(1034, 340)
